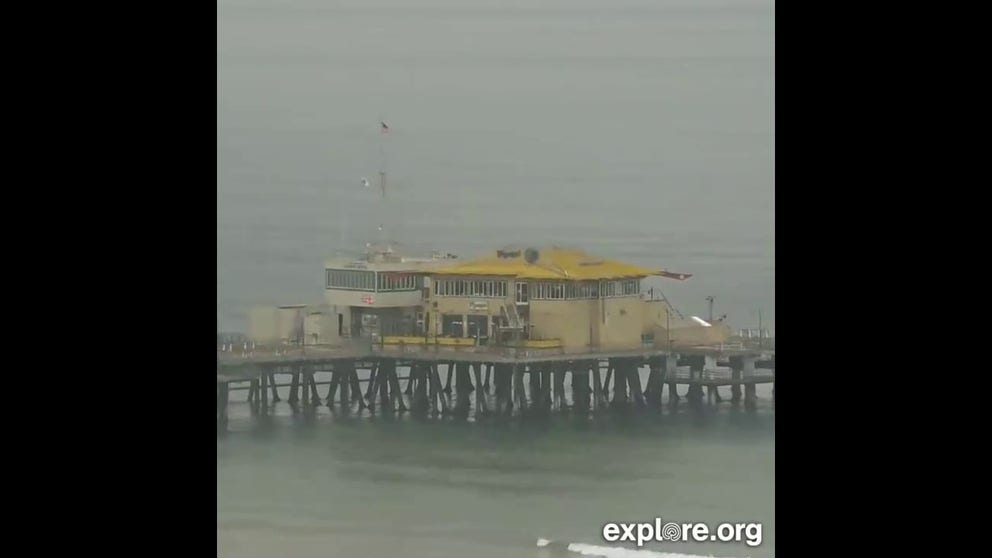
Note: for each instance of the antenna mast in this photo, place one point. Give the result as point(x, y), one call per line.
point(384, 130)
point(382, 155)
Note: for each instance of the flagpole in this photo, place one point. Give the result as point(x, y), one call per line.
point(383, 130)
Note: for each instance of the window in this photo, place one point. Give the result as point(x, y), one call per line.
point(387, 281)
point(350, 279)
point(475, 288)
point(521, 292)
point(545, 290)
point(622, 287)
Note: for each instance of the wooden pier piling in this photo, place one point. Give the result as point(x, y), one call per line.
point(544, 389)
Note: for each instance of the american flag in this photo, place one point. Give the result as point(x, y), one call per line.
point(368, 299)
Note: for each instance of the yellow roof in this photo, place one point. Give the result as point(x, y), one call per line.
point(550, 263)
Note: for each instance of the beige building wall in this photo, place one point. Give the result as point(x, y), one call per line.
point(336, 297)
point(655, 314)
point(605, 323)
point(321, 326)
point(689, 333)
point(262, 324)
point(276, 324)
point(622, 322)
point(567, 320)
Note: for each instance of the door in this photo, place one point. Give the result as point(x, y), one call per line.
point(521, 293)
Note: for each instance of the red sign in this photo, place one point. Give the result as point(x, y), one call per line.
point(368, 299)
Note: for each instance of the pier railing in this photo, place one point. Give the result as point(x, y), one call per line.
point(248, 351)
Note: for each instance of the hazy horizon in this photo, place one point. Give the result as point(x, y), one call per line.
point(641, 131)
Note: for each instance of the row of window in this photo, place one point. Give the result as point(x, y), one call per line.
point(544, 290)
point(624, 287)
point(470, 287)
point(571, 290)
point(352, 280)
point(396, 282)
point(371, 281)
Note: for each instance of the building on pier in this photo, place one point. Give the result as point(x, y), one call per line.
point(552, 298)
point(556, 297)
point(380, 294)
point(368, 297)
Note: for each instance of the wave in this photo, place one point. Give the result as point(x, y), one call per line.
point(612, 551)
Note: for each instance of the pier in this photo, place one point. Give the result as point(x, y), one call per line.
point(517, 331)
point(438, 380)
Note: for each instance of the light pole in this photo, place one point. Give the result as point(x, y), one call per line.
point(668, 329)
point(761, 333)
point(710, 300)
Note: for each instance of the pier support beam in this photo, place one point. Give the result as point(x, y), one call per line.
point(395, 393)
point(634, 381)
point(503, 386)
point(314, 395)
point(560, 401)
point(463, 388)
point(534, 372)
point(275, 392)
point(409, 382)
point(356, 387)
point(481, 408)
point(294, 388)
point(434, 387)
point(710, 367)
point(346, 373)
point(370, 390)
point(656, 381)
point(695, 394)
point(518, 387)
point(418, 382)
point(619, 369)
point(606, 384)
point(750, 395)
point(222, 396)
point(544, 402)
point(671, 370)
point(438, 391)
point(489, 371)
point(750, 389)
point(580, 386)
point(345, 394)
point(263, 389)
point(383, 384)
point(598, 397)
point(253, 392)
point(447, 383)
point(332, 388)
point(735, 376)
point(581, 391)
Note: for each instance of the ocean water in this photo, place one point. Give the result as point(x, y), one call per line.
point(322, 484)
point(636, 129)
